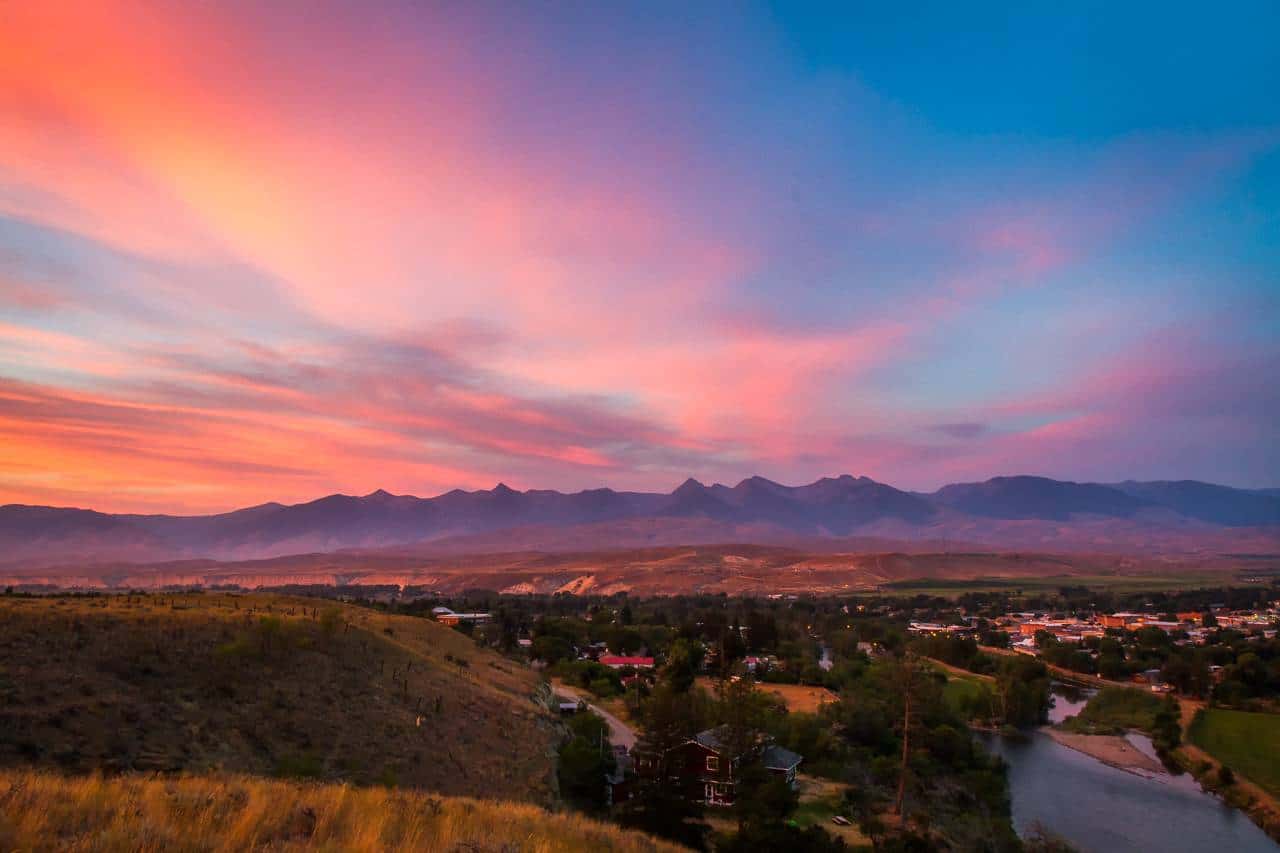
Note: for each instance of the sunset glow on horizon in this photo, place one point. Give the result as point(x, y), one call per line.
point(270, 251)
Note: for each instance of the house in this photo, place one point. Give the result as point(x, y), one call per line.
point(637, 681)
point(1148, 676)
point(707, 772)
point(760, 663)
point(445, 616)
point(619, 784)
point(622, 662)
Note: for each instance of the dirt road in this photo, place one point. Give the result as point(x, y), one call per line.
point(619, 732)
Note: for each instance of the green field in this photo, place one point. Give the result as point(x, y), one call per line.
point(950, 588)
point(962, 693)
point(966, 694)
point(1247, 743)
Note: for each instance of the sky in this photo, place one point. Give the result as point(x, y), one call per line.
point(270, 251)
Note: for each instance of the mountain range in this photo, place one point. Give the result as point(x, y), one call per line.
point(1004, 512)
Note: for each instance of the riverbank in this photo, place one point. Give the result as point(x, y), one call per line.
point(1098, 806)
point(1262, 806)
point(1112, 750)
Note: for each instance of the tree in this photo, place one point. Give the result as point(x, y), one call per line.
point(1187, 672)
point(741, 711)
point(762, 632)
point(1166, 727)
point(909, 685)
point(731, 646)
point(508, 637)
point(585, 761)
point(1022, 686)
point(550, 648)
point(659, 807)
point(763, 802)
point(761, 798)
point(683, 661)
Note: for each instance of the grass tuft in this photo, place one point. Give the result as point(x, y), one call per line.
point(41, 811)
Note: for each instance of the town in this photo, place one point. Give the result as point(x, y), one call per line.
point(688, 714)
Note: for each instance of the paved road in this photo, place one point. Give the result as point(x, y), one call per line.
point(619, 732)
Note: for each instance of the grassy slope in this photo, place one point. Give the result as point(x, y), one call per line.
point(42, 811)
point(200, 683)
point(1247, 743)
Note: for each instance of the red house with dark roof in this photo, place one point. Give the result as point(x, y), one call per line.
point(705, 771)
point(622, 662)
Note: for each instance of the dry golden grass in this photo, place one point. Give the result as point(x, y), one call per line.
point(43, 811)
point(797, 697)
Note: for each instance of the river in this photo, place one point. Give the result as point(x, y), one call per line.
point(1101, 809)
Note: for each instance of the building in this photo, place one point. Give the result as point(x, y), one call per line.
point(619, 784)
point(445, 616)
point(1119, 620)
point(932, 629)
point(704, 768)
point(760, 663)
point(624, 661)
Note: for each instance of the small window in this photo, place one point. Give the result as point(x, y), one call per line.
point(713, 763)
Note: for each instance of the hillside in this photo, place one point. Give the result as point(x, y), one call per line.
point(1038, 498)
point(731, 569)
point(43, 811)
point(1004, 512)
point(266, 685)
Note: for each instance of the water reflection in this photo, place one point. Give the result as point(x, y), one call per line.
point(1068, 701)
point(1100, 809)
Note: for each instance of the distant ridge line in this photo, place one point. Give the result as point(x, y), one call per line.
point(1010, 511)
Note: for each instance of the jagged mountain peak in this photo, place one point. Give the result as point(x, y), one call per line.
point(844, 505)
point(689, 486)
point(755, 481)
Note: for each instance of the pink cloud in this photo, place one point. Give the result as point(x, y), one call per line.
point(422, 296)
